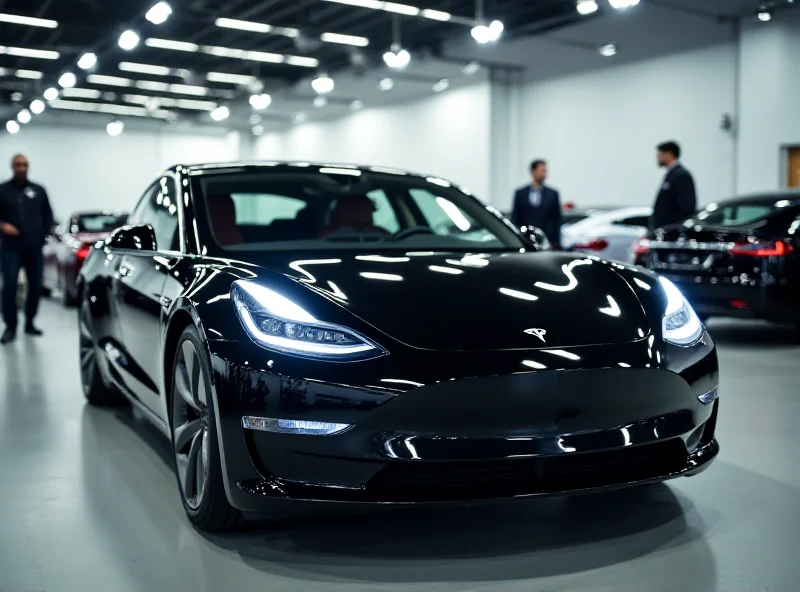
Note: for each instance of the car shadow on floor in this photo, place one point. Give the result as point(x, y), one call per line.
point(739, 333)
point(488, 542)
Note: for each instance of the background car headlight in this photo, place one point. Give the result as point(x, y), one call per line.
point(680, 324)
point(275, 322)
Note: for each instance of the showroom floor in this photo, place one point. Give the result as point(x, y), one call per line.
point(88, 502)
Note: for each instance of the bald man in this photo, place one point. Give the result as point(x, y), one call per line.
point(25, 221)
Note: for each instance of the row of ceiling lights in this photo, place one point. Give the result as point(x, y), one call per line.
point(129, 39)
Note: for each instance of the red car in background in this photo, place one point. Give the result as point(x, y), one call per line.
point(66, 250)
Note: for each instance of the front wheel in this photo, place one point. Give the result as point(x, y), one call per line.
point(194, 439)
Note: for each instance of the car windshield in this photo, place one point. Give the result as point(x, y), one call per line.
point(739, 213)
point(97, 222)
point(322, 208)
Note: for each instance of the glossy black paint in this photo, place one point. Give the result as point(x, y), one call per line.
point(462, 382)
point(717, 282)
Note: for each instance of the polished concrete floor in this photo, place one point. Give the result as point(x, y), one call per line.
point(88, 502)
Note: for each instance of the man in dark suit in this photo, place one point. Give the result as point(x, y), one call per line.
point(25, 221)
point(538, 205)
point(676, 199)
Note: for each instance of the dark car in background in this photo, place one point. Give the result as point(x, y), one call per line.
point(67, 248)
point(348, 334)
point(736, 258)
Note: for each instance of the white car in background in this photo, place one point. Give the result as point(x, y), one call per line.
point(609, 235)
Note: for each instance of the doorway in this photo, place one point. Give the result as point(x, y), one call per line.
point(793, 167)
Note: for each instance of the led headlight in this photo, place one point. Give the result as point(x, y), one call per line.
point(275, 322)
point(680, 324)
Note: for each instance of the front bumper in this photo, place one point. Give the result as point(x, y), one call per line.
point(499, 435)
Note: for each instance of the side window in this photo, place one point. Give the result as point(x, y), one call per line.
point(633, 221)
point(159, 208)
point(384, 215)
point(442, 215)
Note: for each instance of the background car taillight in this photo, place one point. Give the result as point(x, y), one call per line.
point(598, 244)
point(82, 253)
point(762, 249)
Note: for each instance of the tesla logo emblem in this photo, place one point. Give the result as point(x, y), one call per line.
point(540, 333)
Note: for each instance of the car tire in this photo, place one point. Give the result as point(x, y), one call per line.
point(95, 390)
point(198, 467)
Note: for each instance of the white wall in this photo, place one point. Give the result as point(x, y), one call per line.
point(770, 101)
point(447, 135)
point(598, 130)
point(85, 168)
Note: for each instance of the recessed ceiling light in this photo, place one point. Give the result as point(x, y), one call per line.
point(608, 50)
point(144, 68)
point(344, 39)
point(487, 34)
point(220, 113)
point(28, 20)
point(320, 101)
point(29, 74)
point(128, 40)
point(37, 106)
point(255, 118)
point(397, 58)
point(51, 94)
point(260, 102)
point(258, 130)
point(240, 79)
point(356, 105)
point(587, 6)
point(115, 128)
point(67, 80)
point(24, 116)
point(764, 15)
point(170, 44)
point(159, 13)
point(87, 61)
point(104, 80)
point(12, 126)
point(622, 4)
point(26, 52)
point(322, 84)
point(386, 84)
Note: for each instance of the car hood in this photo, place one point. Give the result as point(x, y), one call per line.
point(449, 301)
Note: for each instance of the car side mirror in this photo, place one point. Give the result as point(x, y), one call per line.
point(134, 238)
point(537, 237)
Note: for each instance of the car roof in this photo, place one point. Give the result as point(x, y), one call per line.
point(291, 165)
point(762, 197)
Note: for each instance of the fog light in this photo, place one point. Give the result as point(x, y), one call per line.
point(710, 396)
point(294, 426)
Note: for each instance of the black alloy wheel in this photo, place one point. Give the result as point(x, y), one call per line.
point(194, 439)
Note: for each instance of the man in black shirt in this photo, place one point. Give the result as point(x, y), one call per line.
point(676, 198)
point(25, 221)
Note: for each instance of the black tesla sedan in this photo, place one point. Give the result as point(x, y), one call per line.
point(737, 258)
point(360, 334)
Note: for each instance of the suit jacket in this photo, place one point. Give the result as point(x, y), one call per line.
point(676, 199)
point(546, 216)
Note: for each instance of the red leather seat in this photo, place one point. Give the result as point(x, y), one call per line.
point(222, 217)
point(353, 211)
